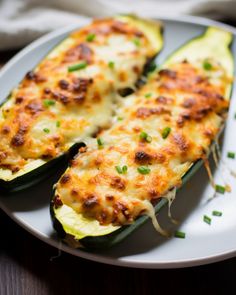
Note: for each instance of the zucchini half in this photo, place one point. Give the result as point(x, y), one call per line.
point(78, 231)
point(70, 95)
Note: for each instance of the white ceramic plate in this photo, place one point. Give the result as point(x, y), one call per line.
point(145, 248)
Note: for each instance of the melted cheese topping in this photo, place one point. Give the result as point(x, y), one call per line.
point(55, 107)
point(158, 133)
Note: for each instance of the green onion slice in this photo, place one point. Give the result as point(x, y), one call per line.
point(111, 64)
point(207, 219)
point(100, 142)
point(48, 102)
point(231, 155)
point(220, 189)
point(165, 132)
point(180, 234)
point(144, 170)
point(77, 67)
point(118, 169)
point(46, 130)
point(148, 95)
point(122, 170)
point(207, 65)
point(144, 136)
point(90, 37)
point(137, 42)
point(217, 213)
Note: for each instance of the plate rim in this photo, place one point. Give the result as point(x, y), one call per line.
point(97, 257)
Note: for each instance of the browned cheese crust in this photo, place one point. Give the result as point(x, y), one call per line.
point(54, 106)
point(157, 135)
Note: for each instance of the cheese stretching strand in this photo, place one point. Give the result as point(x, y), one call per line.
point(71, 93)
point(157, 135)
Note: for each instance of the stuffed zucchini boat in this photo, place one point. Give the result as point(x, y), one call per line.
point(71, 94)
point(160, 137)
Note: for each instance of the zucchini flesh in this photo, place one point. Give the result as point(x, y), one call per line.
point(212, 47)
point(70, 95)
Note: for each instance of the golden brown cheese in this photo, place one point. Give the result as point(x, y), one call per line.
point(156, 136)
point(55, 106)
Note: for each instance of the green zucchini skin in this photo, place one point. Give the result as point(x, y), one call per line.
point(42, 172)
point(112, 239)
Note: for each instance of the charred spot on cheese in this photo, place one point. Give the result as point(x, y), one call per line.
point(57, 202)
point(35, 77)
point(79, 52)
point(189, 102)
point(19, 138)
point(47, 90)
point(34, 107)
point(30, 75)
point(117, 183)
point(143, 112)
point(181, 142)
point(65, 179)
point(119, 27)
point(74, 192)
point(81, 84)
point(164, 100)
point(63, 84)
point(90, 202)
point(19, 100)
point(141, 157)
point(120, 207)
point(6, 129)
point(110, 198)
point(168, 73)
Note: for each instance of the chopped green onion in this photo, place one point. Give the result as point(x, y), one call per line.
point(207, 219)
point(137, 42)
point(100, 143)
point(90, 37)
point(143, 135)
point(143, 170)
point(58, 124)
point(165, 132)
point(180, 234)
point(118, 169)
point(48, 102)
point(207, 65)
point(231, 155)
point(77, 67)
point(111, 64)
point(220, 189)
point(148, 95)
point(119, 118)
point(122, 170)
point(46, 130)
point(216, 213)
